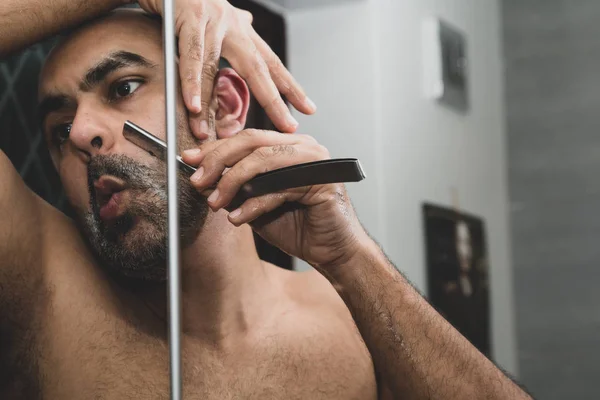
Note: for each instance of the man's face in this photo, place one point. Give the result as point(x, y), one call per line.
point(102, 75)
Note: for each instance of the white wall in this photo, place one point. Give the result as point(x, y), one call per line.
point(362, 64)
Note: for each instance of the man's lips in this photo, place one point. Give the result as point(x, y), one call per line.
point(110, 193)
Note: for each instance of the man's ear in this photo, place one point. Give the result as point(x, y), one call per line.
point(233, 100)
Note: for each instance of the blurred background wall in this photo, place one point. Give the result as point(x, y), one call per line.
point(552, 50)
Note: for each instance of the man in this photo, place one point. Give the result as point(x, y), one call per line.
point(250, 329)
point(87, 324)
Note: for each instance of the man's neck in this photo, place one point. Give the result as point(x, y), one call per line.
point(224, 283)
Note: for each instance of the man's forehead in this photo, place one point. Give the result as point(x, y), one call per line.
point(124, 31)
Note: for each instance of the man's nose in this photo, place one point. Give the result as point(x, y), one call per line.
point(94, 133)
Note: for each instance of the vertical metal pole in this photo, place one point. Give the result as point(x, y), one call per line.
point(172, 195)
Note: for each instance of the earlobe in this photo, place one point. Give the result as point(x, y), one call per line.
point(233, 100)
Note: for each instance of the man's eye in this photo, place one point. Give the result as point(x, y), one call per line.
point(124, 89)
point(60, 133)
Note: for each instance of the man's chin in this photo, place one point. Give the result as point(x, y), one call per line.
point(118, 229)
point(129, 247)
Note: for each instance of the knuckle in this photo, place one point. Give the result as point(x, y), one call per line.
point(274, 62)
point(214, 53)
point(283, 150)
point(287, 90)
point(195, 48)
point(219, 14)
point(199, 9)
point(324, 151)
point(240, 174)
point(291, 90)
point(273, 104)
point(191, 77)
point(248, 133)
point(210, 70)
point(228, 180)
point(258, 66)
point(244, 15)
point(262, 153)
point(212, 159)
point(256, 135)
point(308, 139)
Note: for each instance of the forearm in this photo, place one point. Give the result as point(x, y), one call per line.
point(419, 354)
point(24, 22)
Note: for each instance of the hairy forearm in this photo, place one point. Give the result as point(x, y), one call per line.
point(24, 22)
point(417, 352)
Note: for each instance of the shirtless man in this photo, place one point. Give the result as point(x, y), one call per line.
point(83, 306)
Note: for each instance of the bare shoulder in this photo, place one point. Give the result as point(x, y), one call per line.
point(313, 289)
point(321, 320)
point(318, 296)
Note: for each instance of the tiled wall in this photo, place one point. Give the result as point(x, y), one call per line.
point(552, 50)
point(20, 135)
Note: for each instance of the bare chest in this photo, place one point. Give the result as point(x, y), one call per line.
point(114, 361)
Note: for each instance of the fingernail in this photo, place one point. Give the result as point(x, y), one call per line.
point(198, 175)
point(311, 104)
point(204, 127)
point(192, 152)
point(235, 214)
point(214, 196)
point(291, 120)
point(196, 103)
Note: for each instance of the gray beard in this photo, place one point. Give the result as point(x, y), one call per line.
point(135, 244)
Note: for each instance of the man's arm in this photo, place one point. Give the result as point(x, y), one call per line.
point(417, 352)
point(21, 267)
point(24, 22)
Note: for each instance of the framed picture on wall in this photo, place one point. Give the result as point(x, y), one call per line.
point(458, 271)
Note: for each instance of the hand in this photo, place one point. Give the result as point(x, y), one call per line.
point(314, 223)
point(208, 29)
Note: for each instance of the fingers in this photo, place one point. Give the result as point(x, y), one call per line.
point(262, 160)
point(245, 15)
point(247, 60)
point(191, 50)
point(200, 123)
point(206, 29)
point(251, 139)
point(256, 207)
point(194, 156)
point(215, 157)
point(285, 82)
point(212, 54)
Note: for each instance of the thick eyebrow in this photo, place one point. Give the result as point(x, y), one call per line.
point(93, 77)
point(111, 63)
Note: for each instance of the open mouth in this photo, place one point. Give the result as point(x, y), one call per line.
point(110, 193)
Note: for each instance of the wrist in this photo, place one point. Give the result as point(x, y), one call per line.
point(364, 253)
